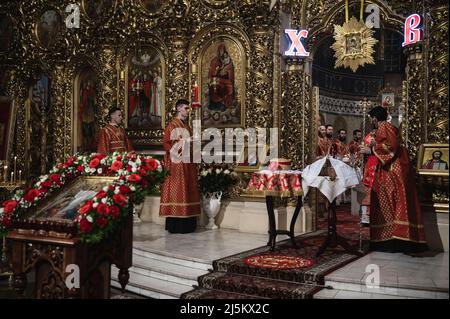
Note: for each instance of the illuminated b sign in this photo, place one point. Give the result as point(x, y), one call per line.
point(413, 29)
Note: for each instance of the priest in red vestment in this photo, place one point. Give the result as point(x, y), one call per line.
point(323, 142)
point(340, 145)
point(180, 196)
point(112, 138)
point(395, 216)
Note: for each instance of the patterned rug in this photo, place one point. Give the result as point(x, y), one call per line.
point(296, 273)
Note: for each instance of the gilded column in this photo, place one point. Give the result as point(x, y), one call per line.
point(178, 69)
point(108, 83)
point(437, 106)
point(295, 113)
point(414, 102)
point(58, 114)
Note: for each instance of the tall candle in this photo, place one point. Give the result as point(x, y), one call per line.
point(5, 173)
point(20, 175)
point(195, 92)
point(12, 177)
point(15, 165)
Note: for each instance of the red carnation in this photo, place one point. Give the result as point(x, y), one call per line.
point(124, 189)
point(80, 168)
point(10, 206)
point(102, 209)
point(56, 178)
point(85, 226)
point(119, 199)
point(119, 158)
point(101, 222)
point(116, 165)
point(152, 164)
point(31, 194)
point(94, 163)
point(70, 160)
point(100, 156)
point(134, 178)
point(101, 194)
point(86, 207)
point(46, 184)
point(114, 211)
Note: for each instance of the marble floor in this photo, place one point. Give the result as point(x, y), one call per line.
point(201, 246)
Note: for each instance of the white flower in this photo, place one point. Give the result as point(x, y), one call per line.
point(116, 191)
point(133, 188)
point(209, 171)
point(134, 169)
point(105, 188)
point(99, 170)
point(95, 205)
point(93, 170)
point(204, 173)
point(159, 169)
point(138, 161)
point(2, 210)
point(226, 172)
point(38, 184)
point(89, 219)
point(104, 200)
point(120, 171)
point(218, 170)
point(87, 169)
point(103, 162)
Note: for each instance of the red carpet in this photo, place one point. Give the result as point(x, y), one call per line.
point(286, 273)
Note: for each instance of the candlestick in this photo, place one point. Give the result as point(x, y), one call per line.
point(15, 165)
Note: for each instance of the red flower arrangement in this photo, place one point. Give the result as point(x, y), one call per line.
point(100, 215)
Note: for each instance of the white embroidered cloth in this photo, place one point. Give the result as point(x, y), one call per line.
point(346, 177)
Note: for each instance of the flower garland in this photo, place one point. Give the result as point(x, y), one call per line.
point(136, 176)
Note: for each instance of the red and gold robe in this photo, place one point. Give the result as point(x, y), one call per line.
point(180, 196)
point(341, 148)
point(354, 147)
point(113, 139)
point(323, 146)
point(395, 209)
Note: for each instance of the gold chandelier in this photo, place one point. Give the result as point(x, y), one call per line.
point(354, 42)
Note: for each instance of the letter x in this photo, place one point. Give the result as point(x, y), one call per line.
point(296, 47)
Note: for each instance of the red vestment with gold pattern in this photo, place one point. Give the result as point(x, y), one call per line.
point(354, 147)
point(113, 139)
point(341, 148)
point(180, 196)
point(395, 209)
point(323, 146)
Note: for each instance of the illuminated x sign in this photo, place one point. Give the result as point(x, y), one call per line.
point(413, 30)
point(296, 47)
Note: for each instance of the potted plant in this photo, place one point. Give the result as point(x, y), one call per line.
point(215, 180)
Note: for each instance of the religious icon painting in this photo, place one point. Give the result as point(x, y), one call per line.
point(145, 90)
point(98, 9)
point(222, 69)
point(388, 100)
point(86, 125)
point(6, 33)
point(433, 159)
point(48, 28)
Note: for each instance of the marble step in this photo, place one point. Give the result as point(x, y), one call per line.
point(400, 290)
point(346, 294)
point(166, 271)
point(173, 259)
point(205, 293)
point(150, 287)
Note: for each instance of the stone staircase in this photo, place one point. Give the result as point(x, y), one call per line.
point(161, 275)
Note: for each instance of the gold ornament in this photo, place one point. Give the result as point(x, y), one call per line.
point(353, 44)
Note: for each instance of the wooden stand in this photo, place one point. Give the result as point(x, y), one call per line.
point(333, 238)
point(53, 258)
point(273, 231)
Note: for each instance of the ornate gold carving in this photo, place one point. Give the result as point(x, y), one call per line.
point(437, 112)
point(353, 44)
